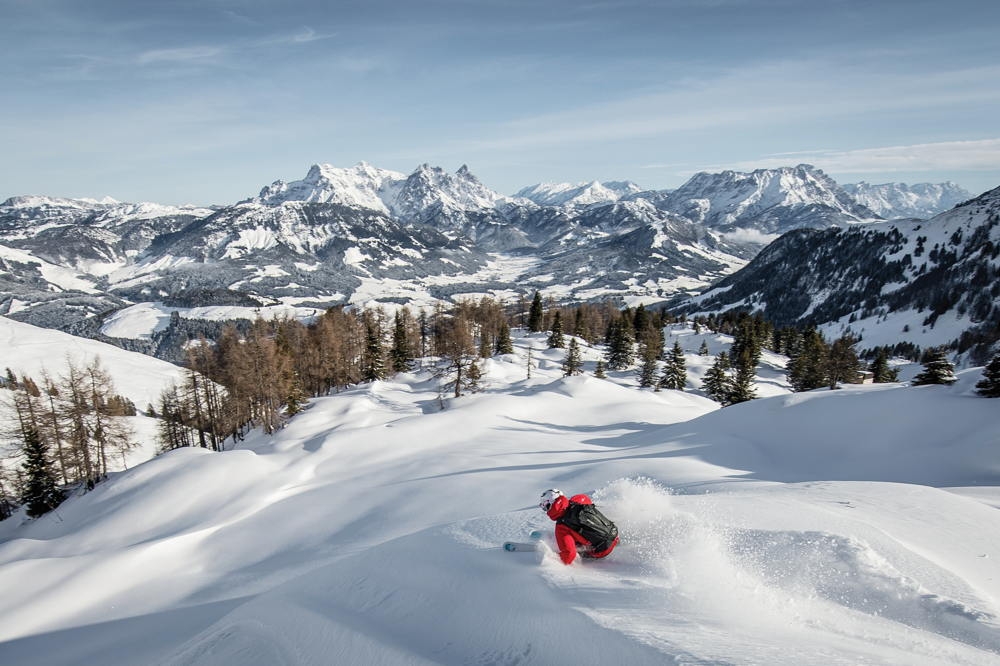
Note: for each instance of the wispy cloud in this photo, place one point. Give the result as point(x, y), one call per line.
point(304, 35)
point(184, 54)
point(979, 155)
point(747, 99)
point(307, 35)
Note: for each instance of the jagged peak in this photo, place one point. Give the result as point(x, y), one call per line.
point(581, 193)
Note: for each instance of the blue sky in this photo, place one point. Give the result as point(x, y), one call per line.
point(207, 101)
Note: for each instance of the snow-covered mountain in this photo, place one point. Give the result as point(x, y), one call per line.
point(363, 235)
point(578, 194)
point(899, 200)
point(767, 201)
point(426, 194)
point(924, 282)
point(368, 531)
point(360, 186)
point(56, 253)
point(344, 235)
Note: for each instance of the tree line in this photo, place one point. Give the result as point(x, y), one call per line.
point(66, 432)
point(69, 427)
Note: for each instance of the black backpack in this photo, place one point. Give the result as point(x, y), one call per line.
point(591, 524)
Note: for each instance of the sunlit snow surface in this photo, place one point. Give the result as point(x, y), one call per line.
point(811, 528)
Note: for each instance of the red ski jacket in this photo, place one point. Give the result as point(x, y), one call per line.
point(568, 539)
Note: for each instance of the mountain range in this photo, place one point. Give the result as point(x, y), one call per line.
point(366, 235)
point(917, 282)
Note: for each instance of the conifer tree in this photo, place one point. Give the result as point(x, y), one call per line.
point(504, 345)
point(536, 315)
point(717, 383)
point(209, 401)
point(573, 363)
point(40, 492)
point(373, 359)
point(989, 385)
point(401, 355)
point(703, 350)
point(620, 353)
point(647, 368)
point(424, 327)
point(486, 344)
point(454, 344)
point(6, 503)
point(641, 321)
point(750, 334)
point(881, 372)
point(674, 372)
point(842, 363)
point(296, 400)
point(473, 377)
point(742, 386)
point(556, 340)
point(110, 435)
point(650, 351)
point(807, 370)
point(937, 369)
point(580, 325)
point(599, 370)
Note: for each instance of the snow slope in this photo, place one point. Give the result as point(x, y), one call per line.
point(819, 528)
point(30, 350)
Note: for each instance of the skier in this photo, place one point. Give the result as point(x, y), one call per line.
point(580, 527)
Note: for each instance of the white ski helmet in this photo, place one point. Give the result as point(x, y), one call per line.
point(548, 497)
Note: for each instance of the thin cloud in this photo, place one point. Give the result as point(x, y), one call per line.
point(746, 99)
point(979, 155)
point(185, 54)
point(307, 35)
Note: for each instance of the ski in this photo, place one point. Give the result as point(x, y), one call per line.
point(518, 546)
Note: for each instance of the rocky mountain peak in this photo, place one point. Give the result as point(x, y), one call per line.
point(899, 200)
point(767, 200)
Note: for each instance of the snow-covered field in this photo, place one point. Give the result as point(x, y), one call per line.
point(857, 526)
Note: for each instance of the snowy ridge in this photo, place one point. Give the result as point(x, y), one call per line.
point(768, 200)
point(896, 200)
point(388, 192)
point(362, 185)
point(768, 532)
point(927, 282)
point(102, 212)
point(577, 194)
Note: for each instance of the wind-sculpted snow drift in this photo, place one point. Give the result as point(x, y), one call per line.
point(368, 531)
point(683, 586)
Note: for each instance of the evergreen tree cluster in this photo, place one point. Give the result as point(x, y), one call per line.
point(989, 385)
point(730, 379)
point(937, 369)
point(674, 375)
point(814, 363)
